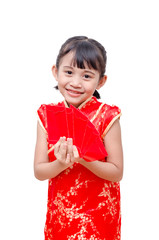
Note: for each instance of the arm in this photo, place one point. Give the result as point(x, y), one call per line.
point(43, 169)
point(111, 170)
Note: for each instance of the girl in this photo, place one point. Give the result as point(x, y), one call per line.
point(83, 197)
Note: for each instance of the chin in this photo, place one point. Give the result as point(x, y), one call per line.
point(74, 102)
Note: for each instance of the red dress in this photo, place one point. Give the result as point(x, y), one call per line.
point(82, 206)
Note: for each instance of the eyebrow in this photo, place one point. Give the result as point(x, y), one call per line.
point(85, 70)
point(67, 67)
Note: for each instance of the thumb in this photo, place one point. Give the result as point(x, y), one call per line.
point(56, 147)
point(75, 152)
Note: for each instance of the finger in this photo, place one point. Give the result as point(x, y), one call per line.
point(62, 139)
point(75, 152)
point(70, 150)
point(63, 150)
point(70, 146)
point(57, 147)
point(58, 144)
point(68, 158)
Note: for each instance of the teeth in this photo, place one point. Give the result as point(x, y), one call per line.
point(74, 92)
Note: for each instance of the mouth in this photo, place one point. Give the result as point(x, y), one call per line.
point(74, 93)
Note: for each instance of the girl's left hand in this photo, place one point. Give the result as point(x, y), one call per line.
point(76, 154)
point(72, 152)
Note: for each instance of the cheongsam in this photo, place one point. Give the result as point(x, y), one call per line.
point(80, 205)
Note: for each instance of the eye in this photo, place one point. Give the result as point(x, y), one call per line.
point(86, 76)
point(69, 72)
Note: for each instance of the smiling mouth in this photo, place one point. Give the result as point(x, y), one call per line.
point(73, 92)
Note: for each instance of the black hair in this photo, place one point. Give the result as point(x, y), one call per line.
point(86, 51)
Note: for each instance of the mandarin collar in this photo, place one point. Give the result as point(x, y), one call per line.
point(82, 104)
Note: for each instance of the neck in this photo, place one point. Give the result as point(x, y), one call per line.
point(80, 106)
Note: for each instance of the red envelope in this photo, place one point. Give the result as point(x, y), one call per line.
point(57, 123)
point(95, 150)
point(80, 123)
point(72, 123)
point(92, 147)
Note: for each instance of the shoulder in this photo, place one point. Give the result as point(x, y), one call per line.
point(42, 113)
point(107, 110)
point(104, 106)
point(44, 107)
point(109, 113)
point(111, 109)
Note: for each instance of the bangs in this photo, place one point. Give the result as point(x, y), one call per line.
point(85, 54)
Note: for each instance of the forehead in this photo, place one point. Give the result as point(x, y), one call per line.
point(67, 59)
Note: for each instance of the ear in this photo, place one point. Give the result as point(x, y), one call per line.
point(102, 81)
point(54, 71)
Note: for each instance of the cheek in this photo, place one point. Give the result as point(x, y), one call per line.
point(91, 86)
point(61, 80)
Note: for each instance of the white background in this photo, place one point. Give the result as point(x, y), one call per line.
point(31, 35)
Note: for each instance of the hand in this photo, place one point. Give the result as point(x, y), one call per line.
point(65, 152)
point(60, 150)
point(76, 154)
point(73, 155)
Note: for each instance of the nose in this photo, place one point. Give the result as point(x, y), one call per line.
point(76, 82)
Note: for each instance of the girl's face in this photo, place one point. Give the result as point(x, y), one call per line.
point(76, 84)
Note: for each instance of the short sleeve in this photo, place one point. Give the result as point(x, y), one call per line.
point(42, 117)
point(111, 114)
